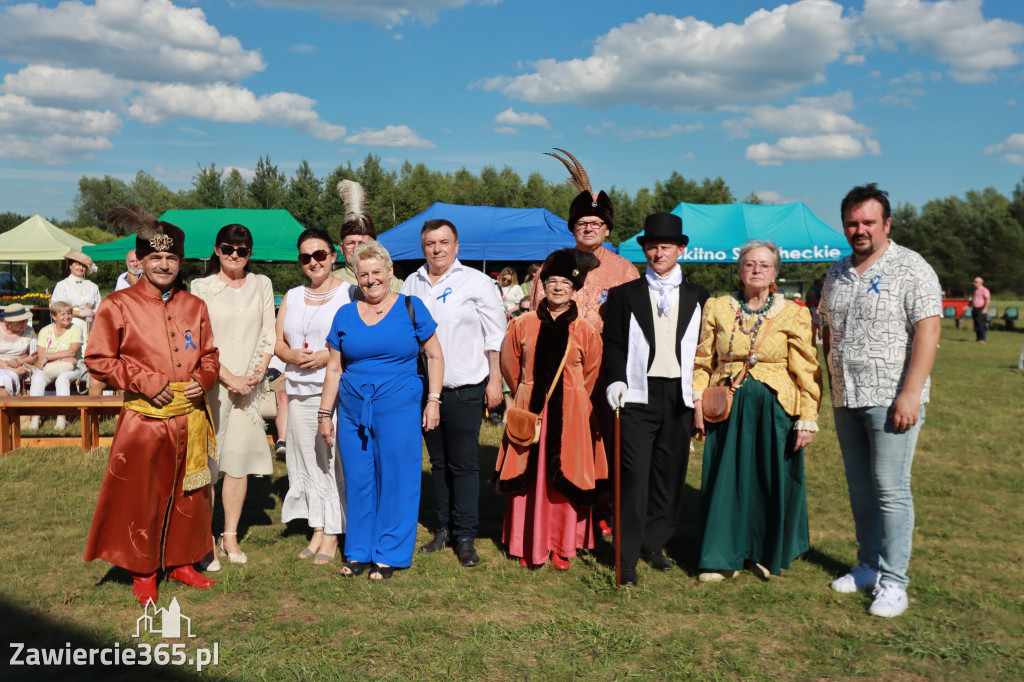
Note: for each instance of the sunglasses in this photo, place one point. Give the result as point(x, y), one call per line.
point(227, 250)
point(320, 256)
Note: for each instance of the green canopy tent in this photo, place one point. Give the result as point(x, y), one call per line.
point(274, 233)
point(37, 239)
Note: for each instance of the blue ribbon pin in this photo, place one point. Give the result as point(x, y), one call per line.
point(188, 340)
point(874, 284)
point(443, 298)
point(604, 296)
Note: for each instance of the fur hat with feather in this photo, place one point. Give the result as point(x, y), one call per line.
point(151, 235)
point(587, 203)
point(357, 219)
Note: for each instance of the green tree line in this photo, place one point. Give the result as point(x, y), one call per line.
point(981, 233)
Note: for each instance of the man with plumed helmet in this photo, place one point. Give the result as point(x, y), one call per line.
point(591, 220)
point(651, 331)
point(154, 342)
point(356, 229)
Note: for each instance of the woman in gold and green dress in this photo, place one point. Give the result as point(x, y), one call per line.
point(753, 494)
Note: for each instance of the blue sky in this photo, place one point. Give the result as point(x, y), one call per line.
point(795, 101)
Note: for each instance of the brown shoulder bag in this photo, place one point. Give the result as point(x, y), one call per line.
point(522, 427)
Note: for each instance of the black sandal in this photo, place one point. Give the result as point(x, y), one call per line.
point(351, 569)
point(385, 572)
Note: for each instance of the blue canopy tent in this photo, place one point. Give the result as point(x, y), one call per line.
point(717, 231)
point(485, 233)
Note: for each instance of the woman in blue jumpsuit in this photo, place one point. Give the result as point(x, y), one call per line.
point(373, 347)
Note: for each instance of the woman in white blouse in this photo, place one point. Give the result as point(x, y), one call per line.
point(316, 486)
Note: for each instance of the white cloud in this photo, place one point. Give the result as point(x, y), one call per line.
point(772, 197)
point(807, 116)
point(149, 40)
point(506, 130)
point(855, 60)
point(679, 64)
point(391, 136)
point(951, 31)
point(18, 115)
point(40, 82)
point(148, 59)
point(51, 149)
point(511, 118)
point(909, 77)
point(636, 133)
point(813, 148)
point(1010, 148)
point(223, 102)
point(904, 97)
point(381, 12)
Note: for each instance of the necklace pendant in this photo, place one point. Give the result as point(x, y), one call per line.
point(752, 360)
point(305, 344)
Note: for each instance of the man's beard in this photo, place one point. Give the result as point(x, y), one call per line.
point(135, 271)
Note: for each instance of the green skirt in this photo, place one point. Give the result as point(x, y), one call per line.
point(753, 493)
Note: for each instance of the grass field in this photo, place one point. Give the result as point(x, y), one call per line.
point(277, 618)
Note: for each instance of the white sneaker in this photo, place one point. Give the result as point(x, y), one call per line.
point(860, 577)
point(890, 601)
point(716, 576)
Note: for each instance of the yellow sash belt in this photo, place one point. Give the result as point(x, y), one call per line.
point(202, 441)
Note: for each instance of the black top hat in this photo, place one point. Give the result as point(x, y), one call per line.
point(663, 227)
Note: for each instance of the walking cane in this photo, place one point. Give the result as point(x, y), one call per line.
point(618, 499)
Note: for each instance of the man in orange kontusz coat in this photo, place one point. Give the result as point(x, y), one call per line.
point(154, 341)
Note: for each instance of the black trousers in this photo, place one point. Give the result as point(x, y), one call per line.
point(454, 449)
point(980, 323)
point(655, 454)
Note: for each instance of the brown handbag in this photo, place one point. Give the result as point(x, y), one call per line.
point(716, 401)
point(522, 427)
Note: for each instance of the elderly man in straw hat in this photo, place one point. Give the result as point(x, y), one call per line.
point(154, 341)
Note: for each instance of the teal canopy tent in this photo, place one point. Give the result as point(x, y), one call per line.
point(274, 233)
point(717, 231)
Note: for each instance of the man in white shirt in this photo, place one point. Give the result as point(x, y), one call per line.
point(651, 331)
point(129, 278)
point(470, 327)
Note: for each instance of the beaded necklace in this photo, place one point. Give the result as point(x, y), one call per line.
point(759, 317)
point(315, 300)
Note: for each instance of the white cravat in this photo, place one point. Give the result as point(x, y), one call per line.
point(665, 286)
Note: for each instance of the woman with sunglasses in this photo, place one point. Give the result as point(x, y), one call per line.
point(316, 487)
point(241, 307)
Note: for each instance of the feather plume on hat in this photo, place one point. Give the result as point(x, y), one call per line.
point(577, 176)
point(151, 235)
point(587, 202)
point(357, 219)
point(134, 218)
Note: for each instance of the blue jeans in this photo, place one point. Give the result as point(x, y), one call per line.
point(878, 461)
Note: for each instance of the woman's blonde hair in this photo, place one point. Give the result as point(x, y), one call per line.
point(372, 250)
point(59, 307)
point(508, 271)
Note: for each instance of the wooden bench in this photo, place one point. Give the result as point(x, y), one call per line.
point(87, 408)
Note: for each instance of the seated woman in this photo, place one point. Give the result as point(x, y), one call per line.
point(380, 413)
point(60, 357)
point(753, 496)
point(551, 485)
point(17, 348)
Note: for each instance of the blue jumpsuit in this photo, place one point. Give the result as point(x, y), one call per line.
point(379, 429)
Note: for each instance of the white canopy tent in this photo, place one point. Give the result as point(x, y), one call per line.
point(37, 239)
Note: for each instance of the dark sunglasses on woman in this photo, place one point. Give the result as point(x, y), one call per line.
point(320, 256)
point(228, 249)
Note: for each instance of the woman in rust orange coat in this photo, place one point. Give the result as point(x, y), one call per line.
point(551, 485)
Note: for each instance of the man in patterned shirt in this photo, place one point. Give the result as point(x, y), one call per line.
point(880, 317)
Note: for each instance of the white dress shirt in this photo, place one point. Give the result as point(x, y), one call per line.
point(469, 319)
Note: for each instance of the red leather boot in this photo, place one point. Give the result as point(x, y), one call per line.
point(144, 587)
point(186, 575)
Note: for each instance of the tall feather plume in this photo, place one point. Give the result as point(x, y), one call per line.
point(134, 218)
point(578, 176)
point(356, 204)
